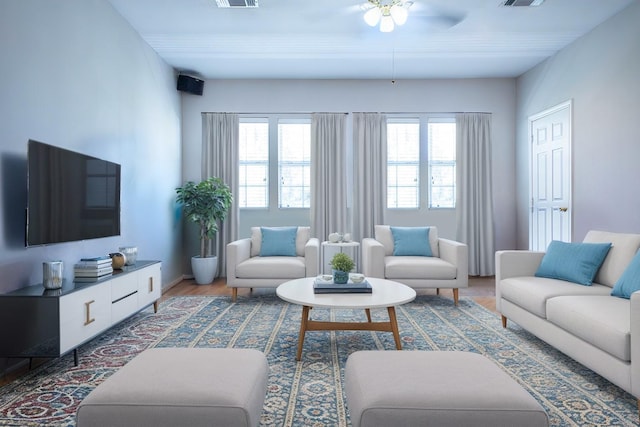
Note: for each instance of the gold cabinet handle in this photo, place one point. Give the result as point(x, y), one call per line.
point(150, 284)
point(564, 209)
point(87, 312)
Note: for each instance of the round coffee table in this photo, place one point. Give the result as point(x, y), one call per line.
point(385, 294)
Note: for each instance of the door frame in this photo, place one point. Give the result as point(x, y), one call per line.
point(531, 119)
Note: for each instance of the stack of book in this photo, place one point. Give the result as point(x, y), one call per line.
point(89, 269)
point(321, 286)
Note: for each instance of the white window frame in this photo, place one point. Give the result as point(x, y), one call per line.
point(425, 193)
point(396, 164)
point(304, 164)
point(432, 203)
point(241, 203)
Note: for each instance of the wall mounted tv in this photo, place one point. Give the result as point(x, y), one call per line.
point(71, 196)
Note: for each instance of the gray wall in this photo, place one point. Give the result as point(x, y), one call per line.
point(600, 72)
point(496, 96)
point(74, 74)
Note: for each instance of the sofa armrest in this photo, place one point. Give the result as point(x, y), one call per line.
point(312, 257)
point(457, 254)
point(372, 258)
point(634, 306)
point(514, 263)
point(237, 251)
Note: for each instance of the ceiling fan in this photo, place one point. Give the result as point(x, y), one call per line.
point(390, 13)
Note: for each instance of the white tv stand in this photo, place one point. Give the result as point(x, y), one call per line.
point(51, 323)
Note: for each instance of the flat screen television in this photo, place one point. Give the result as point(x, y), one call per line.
point(71, 196)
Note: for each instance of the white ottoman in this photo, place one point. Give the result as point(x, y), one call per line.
point(181, 387)
point(436, 388)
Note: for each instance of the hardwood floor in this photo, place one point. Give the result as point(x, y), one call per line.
point(481, 289)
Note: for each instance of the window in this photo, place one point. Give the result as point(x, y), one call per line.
point(421, 154)
point(442, 163)
point(254, 164)
point(294, 163)
point(403, 163)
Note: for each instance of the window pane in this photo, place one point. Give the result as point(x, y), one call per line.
point(254, 164)
point(403, 164)
point(294, 164)
point(442, 164)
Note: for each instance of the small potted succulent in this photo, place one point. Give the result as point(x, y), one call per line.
point(341, 264)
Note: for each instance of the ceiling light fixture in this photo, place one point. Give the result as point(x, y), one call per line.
point(388, 13)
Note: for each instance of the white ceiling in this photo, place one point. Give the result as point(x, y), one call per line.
point(328, 39)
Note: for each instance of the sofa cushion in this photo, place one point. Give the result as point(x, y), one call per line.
point(418, 267)
point(532, 293)
point(276, 267)
point(623, 249)
point(411, 241)
point(278, 241)
point(602, 321)
point(384, 236)
point(629, 282)
point(302, 237)
point(575, 262)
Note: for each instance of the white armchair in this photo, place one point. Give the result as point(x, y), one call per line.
point(247, 269)
point(446, 268)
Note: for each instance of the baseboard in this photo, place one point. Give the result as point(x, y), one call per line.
point(173, 283)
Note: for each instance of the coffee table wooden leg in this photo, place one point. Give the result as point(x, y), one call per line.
point(303, 330)
point(368, 311)
point(394, 327)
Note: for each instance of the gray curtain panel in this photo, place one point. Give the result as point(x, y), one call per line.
point(475, 191)
point(370, 172)
point(328, 174)
point(220, 158)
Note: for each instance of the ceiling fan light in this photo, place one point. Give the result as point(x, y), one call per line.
point(399, 14)
point(386, 24)
point(372, 16)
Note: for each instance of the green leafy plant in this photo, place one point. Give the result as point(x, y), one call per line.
point(342, 262)
point(206, 204)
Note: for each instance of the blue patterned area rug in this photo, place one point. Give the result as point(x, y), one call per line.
point(310, 392)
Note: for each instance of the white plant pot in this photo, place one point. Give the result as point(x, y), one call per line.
point(204, 269)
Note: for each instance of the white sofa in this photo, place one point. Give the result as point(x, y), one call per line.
point(247, 269)
point(600, 331)
point(447, 268)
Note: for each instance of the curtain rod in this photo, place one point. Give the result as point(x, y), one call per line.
point(275, 113)
point(352, 112)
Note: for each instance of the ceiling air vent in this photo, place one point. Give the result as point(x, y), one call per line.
point(525, 3)
point(237, 3)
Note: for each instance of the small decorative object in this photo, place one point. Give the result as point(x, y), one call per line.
point(357, 277)
point(346, 238)
point(118, 260)
point(334, 237)
point(130, 254)
point(52, 274)
point(342, 264)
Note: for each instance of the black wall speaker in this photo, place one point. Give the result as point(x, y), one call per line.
point(190, 84)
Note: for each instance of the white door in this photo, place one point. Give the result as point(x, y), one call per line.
point(550, 215)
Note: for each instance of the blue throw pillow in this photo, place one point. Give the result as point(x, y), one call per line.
point(629, 282)
point(573, 262)
point(278, 241)
point(411, 241)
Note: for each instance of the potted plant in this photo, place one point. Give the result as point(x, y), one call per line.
point(341, 264)
point(206, 204)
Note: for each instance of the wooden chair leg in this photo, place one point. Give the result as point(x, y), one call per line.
point(437, 291)
point(504, 325)
point(234, 294)
point(455, 296)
